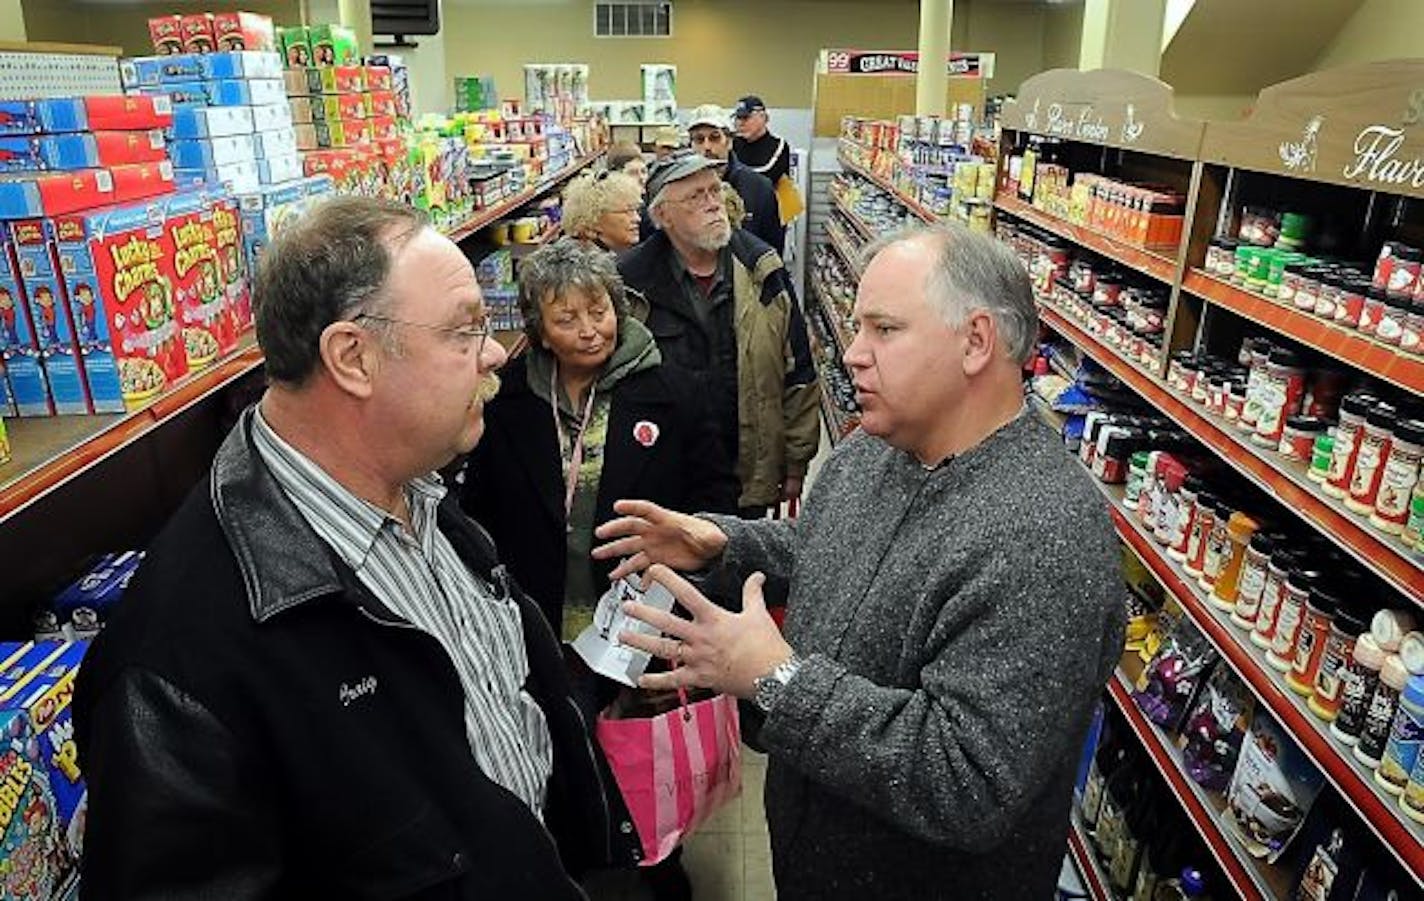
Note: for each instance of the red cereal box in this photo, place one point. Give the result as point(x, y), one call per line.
point(244, 31)
point(198, 34)
point(136, 181)
point(198, 289)
point(167, 34)
point(232, 265)
point(380, 103)
point(378, 78)
point(383, 128)
point(341, 165)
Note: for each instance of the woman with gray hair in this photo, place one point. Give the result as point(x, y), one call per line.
point(604, 209)
point(589, 415)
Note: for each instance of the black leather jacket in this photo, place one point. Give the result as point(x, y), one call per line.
point(254, 724)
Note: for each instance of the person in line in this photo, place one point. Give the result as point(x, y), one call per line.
point(588, 415)
point(755, 146)
point(709, 131)
point(722, 305)
point(954, 612)
point(626, 156)
point(604, 208)
point(321, 682)
point(665, 141)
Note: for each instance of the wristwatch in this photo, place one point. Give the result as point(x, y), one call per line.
point(768, 688)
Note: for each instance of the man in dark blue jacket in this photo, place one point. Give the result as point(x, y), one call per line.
point(322, 683)
point(709, 131)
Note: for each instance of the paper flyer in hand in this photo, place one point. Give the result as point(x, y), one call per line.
point(598, 644)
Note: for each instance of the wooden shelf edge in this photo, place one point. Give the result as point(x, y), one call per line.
point(1350, 780)
point(1352, 534)
point(1244, 878)
point(486, 216)
point(1140, 259)
point(1346, 345)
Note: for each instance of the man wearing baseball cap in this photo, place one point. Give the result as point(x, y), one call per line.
point(709, 129)
point(666, 141)
point(722, 306)
point(755, 146)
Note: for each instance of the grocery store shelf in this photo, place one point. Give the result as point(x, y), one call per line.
point(50, 451)
point(1248, 878)
point(912, 205)
point(1148, 262)
point(1356, 784)
point(841, 337)
point(1094, 879)
point(1284, 480)
point(1344, 344)
point(484, 217)
point(864, 230)
point(848, 250)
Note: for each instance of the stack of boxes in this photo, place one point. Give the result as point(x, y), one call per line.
point(209, 32)
point(62, 156)
point(495, 274)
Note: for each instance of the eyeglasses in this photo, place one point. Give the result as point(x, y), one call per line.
point(700, 197)
point(468, 334)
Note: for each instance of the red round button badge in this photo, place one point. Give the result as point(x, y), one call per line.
point(646, 433)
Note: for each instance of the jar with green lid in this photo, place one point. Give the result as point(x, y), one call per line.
point(1295, 230)
point(1275, 273)
point(1320, 454)
point(1413, 532)
point(1258, 268)
point(1244, 256)
point(1136, 478)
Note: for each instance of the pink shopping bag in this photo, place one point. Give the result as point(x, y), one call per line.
point(674, 769)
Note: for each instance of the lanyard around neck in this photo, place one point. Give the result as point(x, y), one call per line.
point(576, 457)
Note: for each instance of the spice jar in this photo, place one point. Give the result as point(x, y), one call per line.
point(1327, 297)
point(1307, 288)
point(1400, 476)
point(1284, 559)
point(1379, 715)
point(1403, 271)
point(1174, 475)
point(1280, 391)
point(1235, 400)
point(1412, 801)
point(1413, 534)
point(1221, 257)
point(1201, 528)
point(1320, 456)
point(1372, 311)
point(1186, 517)
point(1310, 641)
point(1240, 527)
point(1353, 409)
point(1358, 683)
point(1411, 339)
point(1339, 656)
point(1392, 318)
point(1289, 616)
point(1251, 409)
point(1290, 281)
point(1218, 546)
point(1350, 303)
point(1175, 379)
point(1390, 627)
point(1253, 578)
point(1298, 437)
point(1369, 462)
point(1201, 386)
point(1136, 477)
point(1258, 268)
point(1406, 736)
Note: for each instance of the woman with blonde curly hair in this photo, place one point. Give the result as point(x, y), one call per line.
point(604, 209)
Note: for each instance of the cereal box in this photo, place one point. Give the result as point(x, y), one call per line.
point(34, 860)
point(279, 142)
point(4, 438)
point(335, 80)
point(271, 115)
point(278, 169)
point(179, 94)
point(244, 31)
point(333, 45)
point(54, 326)
point(105, 112)
point(305, 134)
point(198, 34)
point(87, 601)
point(51, 726)
point(237, 178)
point(381, 103)
point(7, 400)
point(245, 92)
point(26, 195)
point(152, 71)
point(120, 256)
point(378, 78)
point(232, 262)
point(167, 34)
point(240, 64)
point(24, 371)
point(19, 117)
point(211, 121)
point(20, 154)
point(296, 45)
point(25, 664)
point(198, 288)
point(294, 82)
point(330, 107)
point(138, 181)
point(342, 133)
point(202, 153)
point(87, 150)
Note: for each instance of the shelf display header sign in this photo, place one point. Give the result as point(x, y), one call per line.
point(902, 62)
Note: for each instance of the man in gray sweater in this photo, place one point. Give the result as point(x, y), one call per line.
point(955, 605)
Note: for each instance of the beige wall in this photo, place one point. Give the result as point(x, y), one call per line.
point(1062, 35)
point(126, 25)
point(1379, 29)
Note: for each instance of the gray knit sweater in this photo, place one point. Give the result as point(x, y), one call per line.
point(958, 625)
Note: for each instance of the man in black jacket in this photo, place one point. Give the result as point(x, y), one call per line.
point(321, 683)
point(709, 132)
point(755, 146)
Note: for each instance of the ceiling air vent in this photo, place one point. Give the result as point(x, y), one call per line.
point(633, 19)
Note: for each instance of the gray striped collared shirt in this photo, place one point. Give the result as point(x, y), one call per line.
point(421, 579)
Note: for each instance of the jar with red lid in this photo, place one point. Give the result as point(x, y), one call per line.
point(1384, 263)
point(1187, 513)
point(1253, 578)
point(1284, 558)
point(1218, 386)
point(1201, 528)
point(1400, 475)
point(1298, 437)
point(1083, 277)
point(1169, 501)
point(1372, 311)
point(1351, 302)
point(1328, 692)
point(1390, 329)
point(1332, 286)
point(1353, 409)
point(1280, 392)
point(1375, 441)
point(1311, 639)
point(1289, 616)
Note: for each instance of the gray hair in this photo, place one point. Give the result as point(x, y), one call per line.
point(590, 196)
point(549, 272)
point(973, 271)
point(329, 265)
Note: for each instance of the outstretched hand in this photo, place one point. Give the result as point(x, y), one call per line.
point(646, 534)
point(717, 649)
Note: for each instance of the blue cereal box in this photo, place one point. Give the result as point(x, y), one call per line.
point(239, 92)
point(29, 388)
point(152, 71)
point(235, 178)
point(19, 117)
point(211, 121)
point(54, 326)
point(180, 93)
point(269, 144)
point(7, 402)
point(206, 153)
point(279, 170)
point(248, 64)
point(20, 154)
point(23, 667)
point(51, 726)
point(85, 605)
